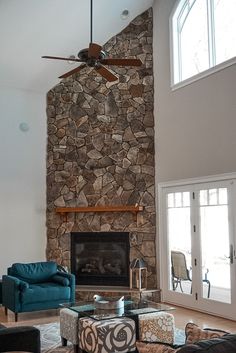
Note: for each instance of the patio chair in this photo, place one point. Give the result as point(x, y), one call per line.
point(181, 273)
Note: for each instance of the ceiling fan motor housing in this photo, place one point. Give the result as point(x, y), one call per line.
point(90, 61)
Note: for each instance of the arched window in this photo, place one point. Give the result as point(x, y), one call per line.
point(203, 36)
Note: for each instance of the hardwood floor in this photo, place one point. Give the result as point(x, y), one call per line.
point(182, 316)
point(33, 318)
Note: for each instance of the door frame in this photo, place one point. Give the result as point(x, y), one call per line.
point(186, 300)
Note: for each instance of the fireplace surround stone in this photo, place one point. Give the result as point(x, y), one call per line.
point(101, 151)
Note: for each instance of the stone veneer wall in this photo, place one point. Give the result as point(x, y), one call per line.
point(101, 149)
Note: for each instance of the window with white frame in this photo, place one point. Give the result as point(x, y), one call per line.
point(203, 36)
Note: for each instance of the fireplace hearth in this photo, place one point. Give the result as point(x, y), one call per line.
point(100, 258)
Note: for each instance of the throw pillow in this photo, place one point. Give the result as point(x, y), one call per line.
point(144, 347)
point(195, 334)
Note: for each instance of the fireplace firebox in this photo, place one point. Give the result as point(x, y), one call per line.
point(100, 258)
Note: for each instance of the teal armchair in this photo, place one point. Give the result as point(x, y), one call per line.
point(36, 286)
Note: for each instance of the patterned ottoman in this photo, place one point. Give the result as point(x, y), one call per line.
point(107, 336)
point(69, 327)
point(156, 327)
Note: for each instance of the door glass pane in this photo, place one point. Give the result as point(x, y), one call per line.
point(214, 229)
point(179, 235)
point(213, 196)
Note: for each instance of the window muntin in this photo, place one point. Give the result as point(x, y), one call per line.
point(203, 36)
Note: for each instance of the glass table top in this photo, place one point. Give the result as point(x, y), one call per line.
point(130, 308)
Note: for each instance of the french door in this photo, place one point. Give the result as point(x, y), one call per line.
point(197, 247)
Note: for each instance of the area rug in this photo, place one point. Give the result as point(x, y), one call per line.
point(51, 340)
point(49, 336)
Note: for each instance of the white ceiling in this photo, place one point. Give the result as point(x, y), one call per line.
point(32, 28)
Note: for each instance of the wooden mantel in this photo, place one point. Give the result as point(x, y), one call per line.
point(108, 208)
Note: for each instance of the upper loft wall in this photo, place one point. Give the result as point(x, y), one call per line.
point(22, 177)
point(195, 129)
point(101, 149)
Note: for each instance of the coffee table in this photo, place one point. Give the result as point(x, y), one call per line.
point(74, 313)
point(132, 308)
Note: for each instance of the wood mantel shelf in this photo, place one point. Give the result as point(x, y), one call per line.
point(134, 209)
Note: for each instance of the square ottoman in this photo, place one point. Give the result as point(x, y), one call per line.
point(156, 327)
point(107, 336)
point(69, 327)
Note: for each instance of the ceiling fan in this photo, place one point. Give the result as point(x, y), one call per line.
point(95, 57)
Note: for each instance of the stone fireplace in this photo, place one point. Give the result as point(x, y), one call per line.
point(100, 151)
point(100, 258)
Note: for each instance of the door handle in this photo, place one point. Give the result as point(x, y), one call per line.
point(231, 253)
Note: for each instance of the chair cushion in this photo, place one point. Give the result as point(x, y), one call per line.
point(45, 292)
point(195, 334)
point(36, 272)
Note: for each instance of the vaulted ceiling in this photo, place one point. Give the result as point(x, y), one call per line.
point(32, 28)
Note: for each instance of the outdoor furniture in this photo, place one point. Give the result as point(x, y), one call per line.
point(22, 338)
point(36, 286)
point(180, 272)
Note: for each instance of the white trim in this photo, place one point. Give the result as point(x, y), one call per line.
point(174, 53)
point(203, 74)
point(223, 309)
point(175, 50)
point(198, 180)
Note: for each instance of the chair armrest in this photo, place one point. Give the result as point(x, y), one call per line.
point(24, 338)
point(11, 288)
point(71, 278)
point(67, 275)
point(63, 281)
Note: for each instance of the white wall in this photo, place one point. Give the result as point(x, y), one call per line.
point(22, 177)
point(196, 124)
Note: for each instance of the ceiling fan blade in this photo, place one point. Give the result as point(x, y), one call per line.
point(122, 62)
point(106, 73)
point(71, 72)
point(94, 50)
point(59, 58)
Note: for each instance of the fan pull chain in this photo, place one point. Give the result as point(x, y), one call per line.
point(91, 21)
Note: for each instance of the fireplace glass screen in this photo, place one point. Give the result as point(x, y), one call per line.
point(100, 258)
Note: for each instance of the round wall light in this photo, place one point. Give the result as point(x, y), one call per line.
point(24, 126)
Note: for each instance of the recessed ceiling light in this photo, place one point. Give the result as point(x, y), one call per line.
point(124, 14)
